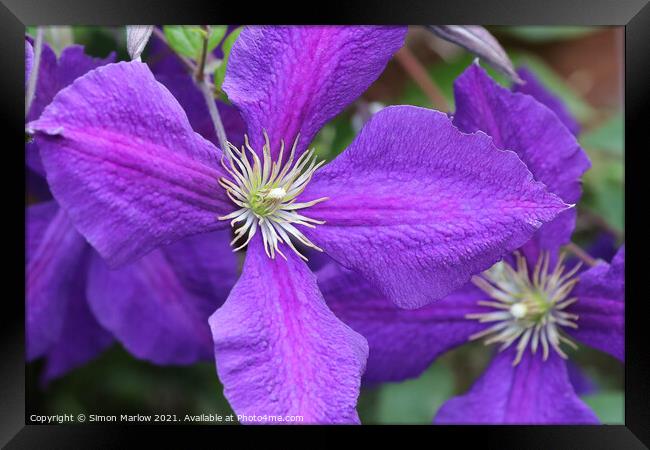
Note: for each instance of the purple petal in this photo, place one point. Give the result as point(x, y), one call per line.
point(601, 306)
point(418, 207)
point(81, 340)
point(603, 247)
point(37, 218)
point(56, 257)
point(122, 159)
point(158, 307)
point(280, 350)
point(188, 95)
point(206, 266)
point(580, 381)
point(403, 343)
point(54, 75)
point(520, 123)
point(36, 185)
point(533, 392)
point(536, 89)
point(29, 59)
point(292, 80)
point(162, 59)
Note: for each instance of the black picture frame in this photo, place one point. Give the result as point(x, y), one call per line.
point(633, 14)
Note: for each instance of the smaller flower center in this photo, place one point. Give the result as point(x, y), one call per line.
point(530, 308)
point(518, 310)
point(276, 194)
point(266, 193)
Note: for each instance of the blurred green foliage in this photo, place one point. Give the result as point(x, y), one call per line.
point(118, 383)
point(609, 406)
point(409, 402)
point(445, 73)
point(539, 34)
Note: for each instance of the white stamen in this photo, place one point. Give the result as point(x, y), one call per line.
point(518, 310)
point(266, 191)
point(530, 308)
point(277, 193)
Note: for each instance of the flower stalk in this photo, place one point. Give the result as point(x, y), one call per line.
point(208, 94)
point(581, 254)
point(418, 73)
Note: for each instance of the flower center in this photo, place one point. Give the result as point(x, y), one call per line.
point(530, 309)
point(266, 193)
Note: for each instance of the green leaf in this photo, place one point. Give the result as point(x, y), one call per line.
point(413, 401)
point(187, 40)
point(220, 72)
point(608, 137)
point(609, 406)
point(604, 190)
point(217, 32)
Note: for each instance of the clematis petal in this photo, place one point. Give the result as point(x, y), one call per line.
point(403, 343)
point(81, 339)
point(53, 75)
point(122, 159)
point(533, 392)
point(280, 350)
point(581, 382)
point(206, 266)
point(292, 80)
point(158, 306)
point(188, 95)
point(534, 87)
point(418, 207)
point(37, 218)
point(56, 256)
point(601, 306)
point(520, 123)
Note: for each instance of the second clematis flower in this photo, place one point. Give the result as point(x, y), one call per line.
point(413, 203)
point(531, 304)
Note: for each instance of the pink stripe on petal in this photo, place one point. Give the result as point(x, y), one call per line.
point(293, 79)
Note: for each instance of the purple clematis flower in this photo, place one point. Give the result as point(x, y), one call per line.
point(73, 309)
point(412, 203)
point(528, 303)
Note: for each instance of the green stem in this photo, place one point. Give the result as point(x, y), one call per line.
point(208, 93)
